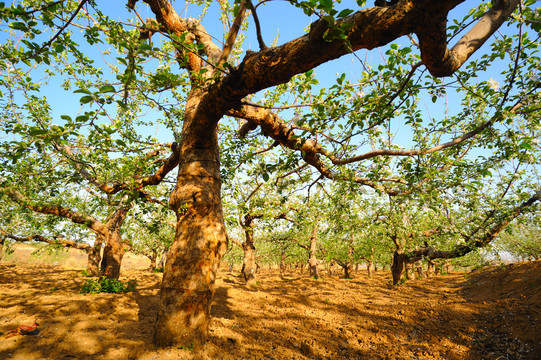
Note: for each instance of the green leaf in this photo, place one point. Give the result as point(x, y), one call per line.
point(265, 177)
point(35, 131)
point(86, 99)
point(326, 5)
point(525, 145)
point(345, 13)
point(82, 91)
point(121, 104)
point(18, 26)
point(106, 89)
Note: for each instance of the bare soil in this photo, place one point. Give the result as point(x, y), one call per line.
point(491, 314)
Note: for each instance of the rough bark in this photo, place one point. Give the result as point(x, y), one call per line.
point(430, 269)
point(248, 263)
point(200, 240)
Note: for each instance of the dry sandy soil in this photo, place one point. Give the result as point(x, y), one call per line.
point(494, 314)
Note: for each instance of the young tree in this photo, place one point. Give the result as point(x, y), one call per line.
point(217, 87)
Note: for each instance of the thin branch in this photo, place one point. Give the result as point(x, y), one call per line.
point(233, 32)
point(262, 45)
point(48, 43)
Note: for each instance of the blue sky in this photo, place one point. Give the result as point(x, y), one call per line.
point(278, 19)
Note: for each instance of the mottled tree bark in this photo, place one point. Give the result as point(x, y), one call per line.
point(200, 240)
point(430, 268)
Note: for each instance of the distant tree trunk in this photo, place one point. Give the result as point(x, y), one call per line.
point(430, 268)
point(419, 268)
point(329, 268)
point(370, 269)
point(112, 256)
point(248, 261)
point(114, 247)
point(163, 258)
point(2, 240)
point(370, 263)
point(94, 257)
point(447, 267)
point(410, 273)
point(347, 270)
point(312, 260)
point(153, 258)
point(248, 264)
point(397, 268)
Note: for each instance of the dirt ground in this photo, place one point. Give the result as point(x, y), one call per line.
point(490, 314)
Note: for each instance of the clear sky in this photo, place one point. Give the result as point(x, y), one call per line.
point(279, 19)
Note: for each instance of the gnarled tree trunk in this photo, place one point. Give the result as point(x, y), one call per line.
point(248, 264)
point(200, 239)
point(397, 268)
point(113, 252)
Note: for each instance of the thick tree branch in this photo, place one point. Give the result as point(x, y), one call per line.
point(168, 164)
point(432, 34)
point(57, 210)
point(475, 242)
point(59, 240)
point(233, 32)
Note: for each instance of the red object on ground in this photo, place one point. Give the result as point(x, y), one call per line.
point(24, 330)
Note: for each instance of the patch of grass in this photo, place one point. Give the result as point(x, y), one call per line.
point(104, 285)
point(158, 270)
point(86, 273)
point(186, 347)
